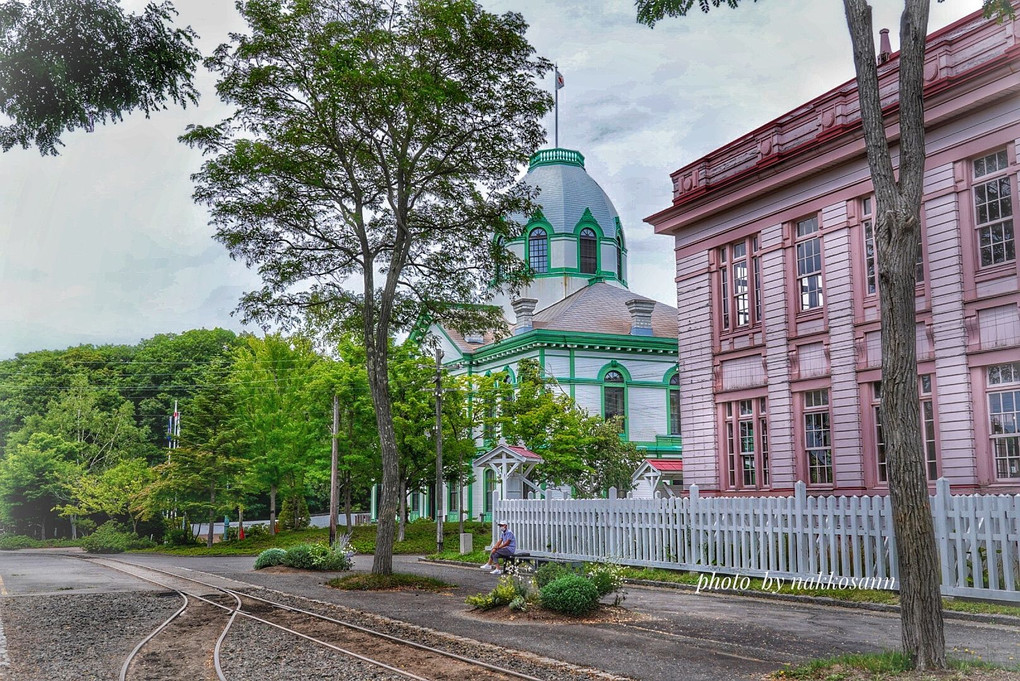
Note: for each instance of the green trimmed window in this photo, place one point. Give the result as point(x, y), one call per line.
point(674, 404)
point(614, 396)
point(538, 250)
point(588, 251)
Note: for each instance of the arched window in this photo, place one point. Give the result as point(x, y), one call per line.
point(619, 256)
point(538, 250)
point(589, 251)
point(613, 396)
point(674, 404)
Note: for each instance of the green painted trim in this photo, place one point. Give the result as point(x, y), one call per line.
point(541, 358)
point(510, 372)
point(557, 156)
point(596, 381)
point(537, 338)
point(616, 366)
point(613, 365)
point(541, 223)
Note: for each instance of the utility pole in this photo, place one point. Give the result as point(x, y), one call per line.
point(439, 450)
point(334, 487)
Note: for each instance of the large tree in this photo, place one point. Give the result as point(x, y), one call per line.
point(371, 160)
point(897, 231)
point(69, 64)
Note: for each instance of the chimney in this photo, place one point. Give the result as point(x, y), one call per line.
point(884, 47)
point(524, 309)
point(640, 316)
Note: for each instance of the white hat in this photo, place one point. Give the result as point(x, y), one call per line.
point(501, 523)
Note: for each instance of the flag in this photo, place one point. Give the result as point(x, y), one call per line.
point(559, 79)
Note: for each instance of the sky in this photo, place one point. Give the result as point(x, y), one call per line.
point(103, 244)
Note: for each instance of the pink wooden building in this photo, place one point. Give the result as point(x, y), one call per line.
point(778, 299)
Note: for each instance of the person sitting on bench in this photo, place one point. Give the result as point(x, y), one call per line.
point(505, 548)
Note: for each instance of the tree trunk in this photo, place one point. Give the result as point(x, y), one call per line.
point(74, 527)
point(272, 509)
point(212, 515)
point(347, 502)
point(403, 510)
point(378, 380)
point(897, 232)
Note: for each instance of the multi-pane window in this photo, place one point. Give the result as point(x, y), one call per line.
point(993, 208)
point(1004, 418)
point(489, 485)
point(929, 443)
point(538, 251)
point(817, 437)
point(588, 251)
point(674, 404)
point(740, 284)
point(747, 443)
point(613, 396)
point(809, 265)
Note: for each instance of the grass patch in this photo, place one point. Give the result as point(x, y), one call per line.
point(13, 542)
point(419, 538)
point(393, 582)
point(887, 665)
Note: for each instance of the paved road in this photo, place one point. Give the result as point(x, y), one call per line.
point(668, 634)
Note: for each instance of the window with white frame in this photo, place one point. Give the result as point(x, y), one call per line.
point(589, 251)
point(747, 443)
point(614, 397)
point(817, 437)
point(674, 404)
point(993, 209)
point(1003, 382)
point(740, 284)
point(809, 265)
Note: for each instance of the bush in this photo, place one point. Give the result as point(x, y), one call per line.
point(294, 515)
point(12, 542)
point(570, 594)
point(270, 557)
point(179, 536)
point(503, 594)
point(607, 577)
point(550, 572)
point(256, 531)
point(518, 604)
point(110, 537)
point(332, 559)
point(300, 557)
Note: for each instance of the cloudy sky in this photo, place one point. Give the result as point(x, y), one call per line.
point(104, 245)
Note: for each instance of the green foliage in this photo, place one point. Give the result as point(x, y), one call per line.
point(577, 448)
point(571, 595)
point(270, 557)
point(12, 542)
point(294, 515)
point(332, 559)
point(68, 64)
point(300, 557)
point(253, 532)
point(110, 537)
point(519, 604)
point(607, 577)
point(550, 572)
point(179, 536)
point(33, 479)
point(370, 582)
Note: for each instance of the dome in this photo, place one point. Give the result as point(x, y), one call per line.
point(567, 190)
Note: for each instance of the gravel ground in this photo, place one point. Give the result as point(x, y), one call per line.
point(84, 637)
point(543, 668)
point(255, 651)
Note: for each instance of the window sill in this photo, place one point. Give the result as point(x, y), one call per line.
point(990, 272)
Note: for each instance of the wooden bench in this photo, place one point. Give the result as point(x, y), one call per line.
point(524, 557)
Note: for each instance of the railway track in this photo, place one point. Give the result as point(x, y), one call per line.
point(181, 646)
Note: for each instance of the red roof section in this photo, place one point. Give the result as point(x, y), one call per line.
point(666, 465)
point(525, 452)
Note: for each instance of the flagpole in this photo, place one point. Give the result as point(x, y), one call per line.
point(556, 108)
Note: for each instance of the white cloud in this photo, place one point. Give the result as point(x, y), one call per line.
point(104, 244)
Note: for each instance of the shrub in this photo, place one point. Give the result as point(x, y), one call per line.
point(334, 559)
point(518, 604)
point(11, 542)
point(179, 536)
point(503, 594)
point(110, 537)
point(300, 557)
point(294, 515)
point(607, 577)
point(270, 557)
point(550, 572)
point(570, 594)
point(256, 531)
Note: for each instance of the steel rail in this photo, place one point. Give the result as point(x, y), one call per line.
point(131, 655)
point(365, 630)
point(238, 611)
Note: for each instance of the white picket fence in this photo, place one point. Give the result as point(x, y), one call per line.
point(796, 537)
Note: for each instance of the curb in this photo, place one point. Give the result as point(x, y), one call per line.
point(985, 618)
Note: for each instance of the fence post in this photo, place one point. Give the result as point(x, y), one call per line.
point(799, 505)
point(496, 514)
point(695, 529)
point(941, 510)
